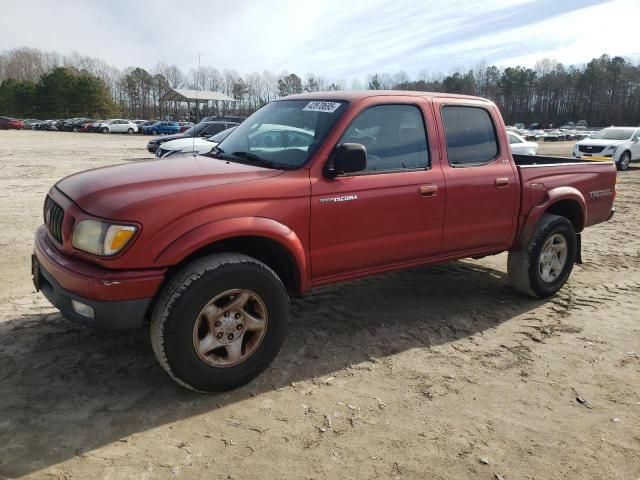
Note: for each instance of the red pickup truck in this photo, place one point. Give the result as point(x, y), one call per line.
point(312, 189)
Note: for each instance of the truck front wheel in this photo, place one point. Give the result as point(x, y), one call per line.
point(219, 322)
point(544, 266)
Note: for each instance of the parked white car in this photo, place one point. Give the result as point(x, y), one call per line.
point(118, 126)
point(621, 144)
point(192, 145)
point(521, 146)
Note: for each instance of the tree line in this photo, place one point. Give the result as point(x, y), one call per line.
point(41, 84)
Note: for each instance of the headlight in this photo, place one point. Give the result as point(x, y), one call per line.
point(101, 238)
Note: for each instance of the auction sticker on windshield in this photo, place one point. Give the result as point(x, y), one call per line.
point(326, 107)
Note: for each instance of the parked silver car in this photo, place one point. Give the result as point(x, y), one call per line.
point(118, 126)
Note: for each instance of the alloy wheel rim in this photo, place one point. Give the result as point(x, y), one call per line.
point(230, 328)
point(624, 161)
point(553, 258)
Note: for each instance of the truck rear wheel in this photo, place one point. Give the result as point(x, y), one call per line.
point(544, 266)
point(219, 322)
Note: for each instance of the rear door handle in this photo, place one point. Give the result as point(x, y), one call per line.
point(502, 182)
point(428, 190)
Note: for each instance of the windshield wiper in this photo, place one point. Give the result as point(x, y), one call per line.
point(259, 160)
point(217, 152)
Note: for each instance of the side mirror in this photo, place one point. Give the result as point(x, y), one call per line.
point(347, 158)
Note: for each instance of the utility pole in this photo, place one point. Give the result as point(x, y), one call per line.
point(201, 83)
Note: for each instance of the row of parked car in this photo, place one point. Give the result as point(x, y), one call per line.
point(8, 123)
point(619, 144)
point(113, 125)
point(200, 138)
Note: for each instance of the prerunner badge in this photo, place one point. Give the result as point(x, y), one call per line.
point(326, 107)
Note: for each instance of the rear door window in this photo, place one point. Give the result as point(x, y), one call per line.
point(470, 135)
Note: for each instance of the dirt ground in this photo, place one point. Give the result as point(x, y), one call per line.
point(434, 373)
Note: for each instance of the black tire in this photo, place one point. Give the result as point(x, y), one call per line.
point(105, 130)
point(130, 131)
point(177, 308)
point(524, 265)
point(624, 161)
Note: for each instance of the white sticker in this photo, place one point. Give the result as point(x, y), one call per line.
point(326, 107)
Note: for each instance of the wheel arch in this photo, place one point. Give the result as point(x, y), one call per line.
point(566, 202)
point(571, 210)
point(264, 239)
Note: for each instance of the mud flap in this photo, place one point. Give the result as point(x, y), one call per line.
point(578, 249)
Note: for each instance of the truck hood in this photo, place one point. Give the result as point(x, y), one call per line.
point(105, 191)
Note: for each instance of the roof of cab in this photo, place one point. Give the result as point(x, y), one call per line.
point(356, 95)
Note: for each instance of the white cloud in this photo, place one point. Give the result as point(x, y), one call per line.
point(334, 38)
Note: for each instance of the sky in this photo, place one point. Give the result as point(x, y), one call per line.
point(337, 39)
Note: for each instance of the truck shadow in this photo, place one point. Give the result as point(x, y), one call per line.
point(65, 390)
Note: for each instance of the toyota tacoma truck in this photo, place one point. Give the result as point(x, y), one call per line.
point(311, 190)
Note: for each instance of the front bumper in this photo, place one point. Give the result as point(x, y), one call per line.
point(119, 298)
point(106, 315)
point(595, 156)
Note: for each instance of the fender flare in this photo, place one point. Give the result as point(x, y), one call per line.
point(553, 196)
point(212, 232)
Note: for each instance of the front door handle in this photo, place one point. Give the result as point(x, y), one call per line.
point(502, 182)
point(428, 190)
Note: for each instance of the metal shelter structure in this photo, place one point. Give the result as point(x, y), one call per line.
point(194, 96)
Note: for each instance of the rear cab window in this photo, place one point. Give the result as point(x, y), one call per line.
point(470, 135)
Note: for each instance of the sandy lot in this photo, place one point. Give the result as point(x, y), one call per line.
point(419, 374)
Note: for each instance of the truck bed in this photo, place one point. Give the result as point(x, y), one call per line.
point(531, 160)
point(594, 180)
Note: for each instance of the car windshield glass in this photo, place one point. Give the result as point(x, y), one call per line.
point(196, 129)
point(218, 137)
point(614, 134)
point(282, 134)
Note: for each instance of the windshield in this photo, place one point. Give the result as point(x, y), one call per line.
point(614, 134)
point(282, 134)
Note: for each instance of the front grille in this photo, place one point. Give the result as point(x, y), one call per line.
point(590, 148)
point(53, 217)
